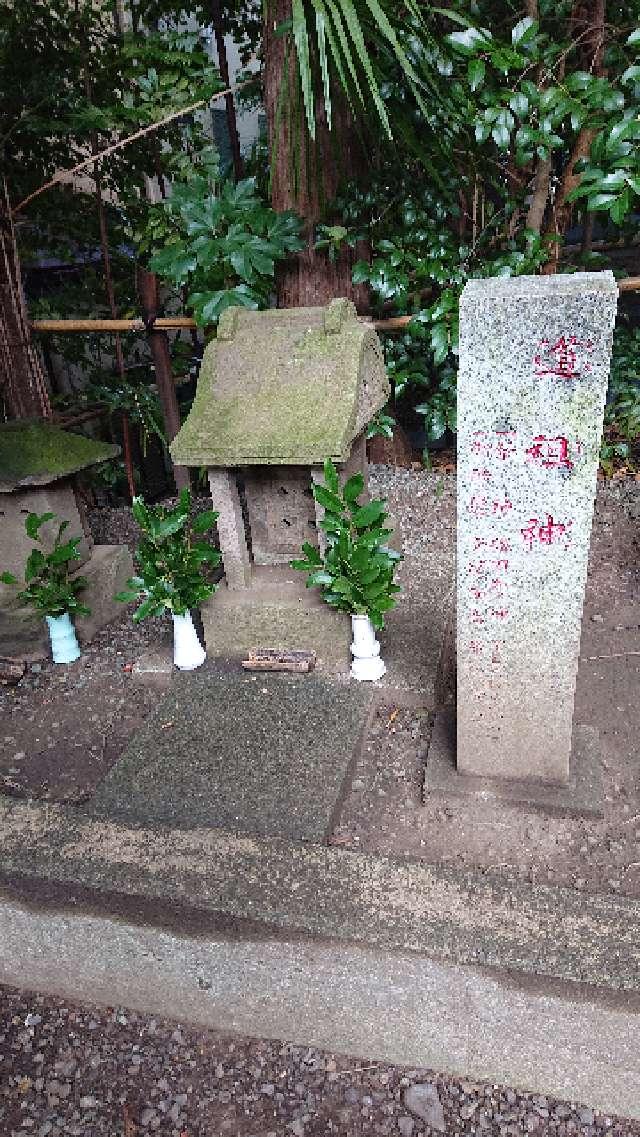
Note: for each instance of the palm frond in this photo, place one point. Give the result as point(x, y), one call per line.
point(333, 41)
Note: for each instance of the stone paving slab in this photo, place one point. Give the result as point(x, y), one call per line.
point(397, 1006)
point(583, 796)
point(267, 755)
point(60, 857)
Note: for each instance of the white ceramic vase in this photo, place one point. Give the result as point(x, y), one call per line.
point(188, 652)
point(64, 644)
point(365, 650)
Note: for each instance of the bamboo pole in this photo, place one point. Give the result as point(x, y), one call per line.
point(162, 323)
point(175, 323)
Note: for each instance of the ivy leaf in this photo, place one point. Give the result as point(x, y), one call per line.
point(470, 40)
point(353, 488)
point(519, 104)
point(327, 499)
point(205, 521)
point(501, 136)
point(369, 514)
point(476, 73)
point(524, 31)
point(33, 523)
point(331, 477)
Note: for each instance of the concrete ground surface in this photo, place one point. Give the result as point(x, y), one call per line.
point(88, 1071)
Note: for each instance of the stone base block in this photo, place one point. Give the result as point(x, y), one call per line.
point(107, 573)
point(154, 669)
point(276, 612)
point(583, 796)
point(23, 633)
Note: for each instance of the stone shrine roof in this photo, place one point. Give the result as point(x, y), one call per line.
point(284, 387)
point(35, 453)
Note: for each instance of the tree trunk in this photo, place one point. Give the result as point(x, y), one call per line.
point(588, 20)
point(23, 387)
point(159, 348)
point(223, 67)
point(305, 173)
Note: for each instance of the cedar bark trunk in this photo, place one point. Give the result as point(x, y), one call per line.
point(305, 173)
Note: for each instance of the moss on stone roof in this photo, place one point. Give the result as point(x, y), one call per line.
point(36, 453)
point(282, 387)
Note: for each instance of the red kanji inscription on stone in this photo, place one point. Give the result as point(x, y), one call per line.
point(552, 453)
point(561, 358)
point(499, 613)
point(547, 532)
point(505, 446)
point(499, 544)
point(481, 474)
point(485, 507)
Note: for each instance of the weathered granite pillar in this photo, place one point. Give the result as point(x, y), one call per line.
point(534, 364)
point(231, 532)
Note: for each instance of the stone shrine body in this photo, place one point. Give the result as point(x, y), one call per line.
point(278, 393)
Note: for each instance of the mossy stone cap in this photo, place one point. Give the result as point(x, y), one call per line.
point(36, 453)
point(289, 386)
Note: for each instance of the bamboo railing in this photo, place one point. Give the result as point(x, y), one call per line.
point(178, 323)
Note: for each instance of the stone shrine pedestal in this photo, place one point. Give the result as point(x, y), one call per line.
point(534, 368)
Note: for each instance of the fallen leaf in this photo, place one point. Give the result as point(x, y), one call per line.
point(129, 1124)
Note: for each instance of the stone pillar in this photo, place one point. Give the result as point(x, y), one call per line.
point(317, 478)
point(534, 365)
point(233, 542)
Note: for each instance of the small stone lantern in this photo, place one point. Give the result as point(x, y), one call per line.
point(278, 393)
point(38, 463)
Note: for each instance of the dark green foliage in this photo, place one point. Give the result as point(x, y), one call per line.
point(170, 559)
point(381, 425)
point(224, 246)
point(418, 256)
point(356, 572)
point(621, 442)
point(48, 586)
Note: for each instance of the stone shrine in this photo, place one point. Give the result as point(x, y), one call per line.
point(38, 464)
point(534, 366)
point(278, 393)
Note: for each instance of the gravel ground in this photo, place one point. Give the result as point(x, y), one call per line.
point(90, 1072)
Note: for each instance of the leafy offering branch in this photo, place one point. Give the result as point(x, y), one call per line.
point(169, 560)
point(48, 586)
point(356, 572)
